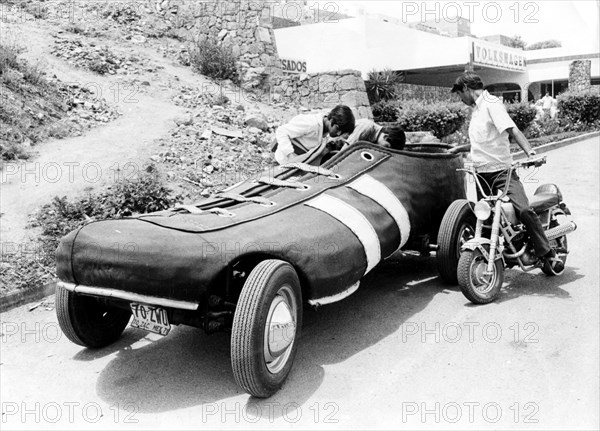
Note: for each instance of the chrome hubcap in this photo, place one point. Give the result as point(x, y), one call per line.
point(482, 281)
point(280, 329)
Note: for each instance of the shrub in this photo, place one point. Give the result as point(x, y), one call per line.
point(381, 85)
point(8, 58)
point(440, 118)
point(385, 111)
point(141, 194)
point(521, 113)
point(99, 66)
point(544, 45)
point(214, 60)
point(579, 107)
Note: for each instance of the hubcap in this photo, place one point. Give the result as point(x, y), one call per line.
point(280, 329)
point(482, 281)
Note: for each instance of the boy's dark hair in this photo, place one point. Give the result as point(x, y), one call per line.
point(342, 116)
point(395, 137)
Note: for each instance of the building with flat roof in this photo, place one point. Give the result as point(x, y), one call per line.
point(368, 43)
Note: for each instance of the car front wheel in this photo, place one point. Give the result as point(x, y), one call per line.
point(266, 328)
point(88, 321)
point(457, 227)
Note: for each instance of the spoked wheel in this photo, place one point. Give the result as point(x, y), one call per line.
point(478, 286)
point(266, 328)
point(88, 321)
point(457, 227)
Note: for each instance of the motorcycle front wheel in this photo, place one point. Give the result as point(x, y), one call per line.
point(477, 286)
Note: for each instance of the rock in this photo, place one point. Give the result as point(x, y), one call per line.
point(257, 120)
point(228, 133)
point(262, 34)
point(209, 169)
point(184, 120)
point(254, 130)
point(138, 39)
point(222, 34)
point(206, 134)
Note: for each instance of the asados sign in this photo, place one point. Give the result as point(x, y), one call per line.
point(294, 66)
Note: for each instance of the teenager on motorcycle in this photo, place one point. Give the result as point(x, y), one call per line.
point(489, 133)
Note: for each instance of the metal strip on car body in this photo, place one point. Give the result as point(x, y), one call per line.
point(380, 193)
point(355, 221)
point(128, 296)
point(335, 298)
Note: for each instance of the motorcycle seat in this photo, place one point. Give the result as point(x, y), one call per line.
point(542, 201)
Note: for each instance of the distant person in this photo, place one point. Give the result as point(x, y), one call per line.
point(554, 109)
point(547, 104)
point(307, 132)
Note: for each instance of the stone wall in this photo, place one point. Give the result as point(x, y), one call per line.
point(580, 75)
point(243, 25)
point(426, 93)
point(323, 90)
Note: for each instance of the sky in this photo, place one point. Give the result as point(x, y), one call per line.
point(574, 23)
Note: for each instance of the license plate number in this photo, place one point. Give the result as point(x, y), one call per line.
point(150, 318)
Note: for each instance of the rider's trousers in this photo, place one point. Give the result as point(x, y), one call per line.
point(517, 196)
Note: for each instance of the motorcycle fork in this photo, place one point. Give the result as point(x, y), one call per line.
point(495, 237)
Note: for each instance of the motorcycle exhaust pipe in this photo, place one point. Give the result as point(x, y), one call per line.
point(561, 230)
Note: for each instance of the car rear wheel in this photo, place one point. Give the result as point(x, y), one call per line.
point(88, 321)
point(457, 227)
point(266, 328)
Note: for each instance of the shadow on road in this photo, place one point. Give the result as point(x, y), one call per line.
point(518, 283)
point(189, 368)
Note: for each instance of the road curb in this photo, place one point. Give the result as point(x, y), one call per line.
point(20, 297)
point(558, 144)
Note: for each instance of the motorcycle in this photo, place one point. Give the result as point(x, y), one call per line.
point(501, 241)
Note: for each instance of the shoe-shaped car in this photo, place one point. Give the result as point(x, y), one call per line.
point(246, 260)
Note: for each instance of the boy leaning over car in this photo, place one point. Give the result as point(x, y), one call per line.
point(308, 131)
point(367, 130)
point(489, 131)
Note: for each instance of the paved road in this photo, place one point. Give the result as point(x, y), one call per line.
point(404, 351)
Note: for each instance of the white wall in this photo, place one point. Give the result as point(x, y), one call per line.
point(367, 43)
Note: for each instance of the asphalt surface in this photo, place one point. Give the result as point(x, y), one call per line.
point(405, 351)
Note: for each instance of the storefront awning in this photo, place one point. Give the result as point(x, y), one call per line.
point(548, 72)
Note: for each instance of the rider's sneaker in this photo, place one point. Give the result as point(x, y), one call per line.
point(555, 262)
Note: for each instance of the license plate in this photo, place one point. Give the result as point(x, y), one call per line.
point(150, 318)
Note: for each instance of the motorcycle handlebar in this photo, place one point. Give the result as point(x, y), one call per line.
point(538, 161)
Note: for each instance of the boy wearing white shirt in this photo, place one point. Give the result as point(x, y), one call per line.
point(304, 133)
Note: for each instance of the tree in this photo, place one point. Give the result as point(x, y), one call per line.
point(544, 44)
point(516, 42)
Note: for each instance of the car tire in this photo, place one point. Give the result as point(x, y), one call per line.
point(457, 227)
point(263, 349)
point(88, 321)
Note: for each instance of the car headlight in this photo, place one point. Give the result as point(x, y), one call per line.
point(482, 210)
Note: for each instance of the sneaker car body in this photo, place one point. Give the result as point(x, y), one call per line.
point(247, 259)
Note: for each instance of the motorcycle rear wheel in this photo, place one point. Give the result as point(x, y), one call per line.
point(561, 247)
point(479, 288)
point(561, 243)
